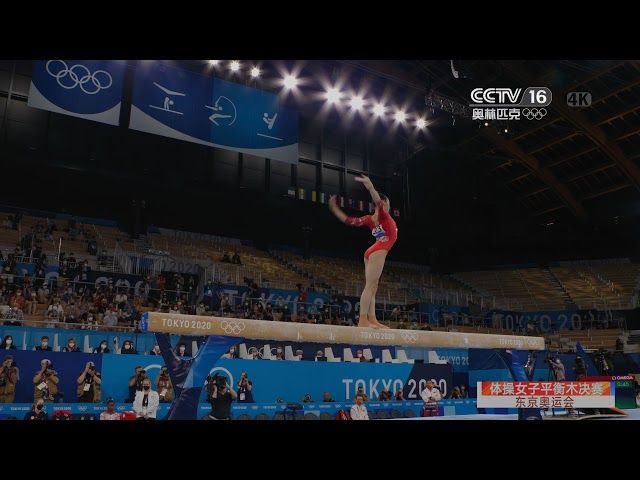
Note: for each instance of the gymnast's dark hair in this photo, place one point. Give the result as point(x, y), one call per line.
point(383, 197)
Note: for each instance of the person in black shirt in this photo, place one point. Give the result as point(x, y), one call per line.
point(221, 400)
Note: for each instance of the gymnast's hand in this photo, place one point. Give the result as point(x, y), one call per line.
point(366, 181)
point(332, 202)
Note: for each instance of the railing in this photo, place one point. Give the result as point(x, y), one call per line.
point(234, 274)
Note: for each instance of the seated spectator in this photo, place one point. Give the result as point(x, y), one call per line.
point(326, 397)
point(31, 304)
point(110, 320)
point(156, 350)
point(307, 398)
point(299, 354)
point(360, 355)
point(13, 316)
point(7, 343)
point(279, 353)
point(319, 354)
point(102, 348)
point(286, 314)
point(181, 349)
point(226, 258)
point(128, 348)
point(44, 345)
point(236, 259)
point(71, 346)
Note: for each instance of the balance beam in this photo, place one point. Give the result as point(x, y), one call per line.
point(308, 332)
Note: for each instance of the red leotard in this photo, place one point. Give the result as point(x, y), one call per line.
point(385, 233)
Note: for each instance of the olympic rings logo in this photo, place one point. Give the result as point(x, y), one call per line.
point(532, 342)
point(75, 75)
point(232, 327)
point(410, 337)
point(82, 408)
point(532, 113)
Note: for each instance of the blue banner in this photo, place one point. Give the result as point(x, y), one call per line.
point(185, 105)
point(89, 89)
point(272, 379)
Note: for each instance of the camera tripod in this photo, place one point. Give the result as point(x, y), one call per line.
point(551, 375)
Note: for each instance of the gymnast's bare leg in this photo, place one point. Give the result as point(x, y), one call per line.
point(373, 270)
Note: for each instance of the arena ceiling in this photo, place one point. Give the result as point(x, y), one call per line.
point(580, 162)
point(574, 163)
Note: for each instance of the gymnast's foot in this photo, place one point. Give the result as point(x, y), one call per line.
point(376, 324)
point(363, 322)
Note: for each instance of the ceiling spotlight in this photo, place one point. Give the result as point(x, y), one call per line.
point(290, 81)
point(486, 124)
point(400, 116)
point(357, 103)
point(506, 130)
point(213, 62)
point(421, 123)
point(333, 95)
point(234, 66)
point(255, 71)
point(378, 109)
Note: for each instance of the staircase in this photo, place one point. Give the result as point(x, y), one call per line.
point(142, 244)
point(559, 288)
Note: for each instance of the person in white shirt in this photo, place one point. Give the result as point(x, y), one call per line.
point(146, 402)
point(431, 393)
point(359, 411)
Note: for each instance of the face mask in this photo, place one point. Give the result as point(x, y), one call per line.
point(72, 345)
point(18, 294)
point(15, 309)
point(127, 347)
point(44, 344)
point(359, 402)
point(89, 318)
point(103, 346)
point(39, 407)
point(156, 348)
point(182, 349)
point(359, 355)
point(146, 387)
point(279, 350)
point(9, 342)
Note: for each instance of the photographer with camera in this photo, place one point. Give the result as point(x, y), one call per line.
point(46, 382)
point(9, 377)
point(222, 396)
point(579, 367)
point(89, 381)
point(164, 386)
point(245, 389)
point(135, 383)
point(557, 368)
point(385, 395)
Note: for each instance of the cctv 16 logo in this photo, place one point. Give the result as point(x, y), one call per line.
point(511, 97)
